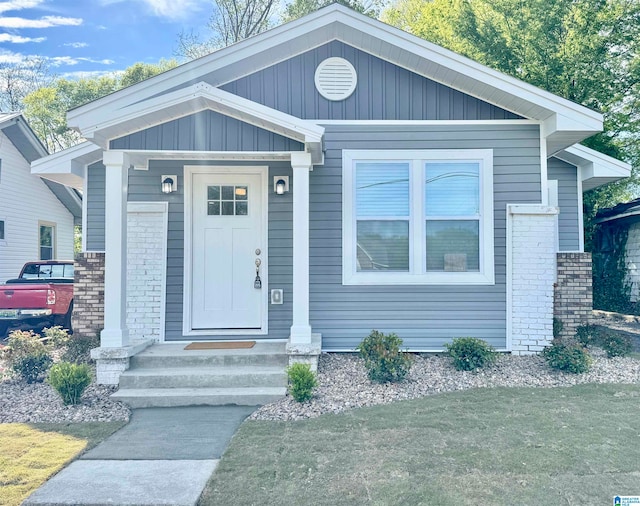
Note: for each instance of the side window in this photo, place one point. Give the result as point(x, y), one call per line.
point(2, 230)
point(47, 237)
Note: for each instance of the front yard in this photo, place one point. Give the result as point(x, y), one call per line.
point(576, 445)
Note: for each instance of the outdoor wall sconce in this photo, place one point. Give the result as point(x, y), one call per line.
point(281, 184)
point(169, 184)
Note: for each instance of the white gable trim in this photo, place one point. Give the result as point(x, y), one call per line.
point(595, 168)
point(195, 98)
point(67, 167)
point(391, 44)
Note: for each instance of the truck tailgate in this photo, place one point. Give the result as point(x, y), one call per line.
point(23, 296)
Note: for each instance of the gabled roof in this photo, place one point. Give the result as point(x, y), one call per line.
point(67, 166)
point(596, 168)
point(14, 126)
point(18, 131)
point(564, 122)
point(627, 211)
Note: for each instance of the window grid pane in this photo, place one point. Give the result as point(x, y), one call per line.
point(453, 245)
point(452, 189)
point(382, 189)
point(227, 200)
point(382, 245)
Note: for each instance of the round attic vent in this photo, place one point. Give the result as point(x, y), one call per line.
point(335, 79)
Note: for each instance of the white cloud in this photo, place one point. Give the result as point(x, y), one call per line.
point(76, 45)
point(44, 22)
point(17, 39)
point(89, 74)
point(58, 61)
point(17, 5)
point(11, 57)
point(168, 8)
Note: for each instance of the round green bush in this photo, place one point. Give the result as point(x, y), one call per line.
point(616, 345)
point(384, 361)
point(27, 355)
point(70, 380)
point(568, 357)
point(302, 381)
point(469, 353)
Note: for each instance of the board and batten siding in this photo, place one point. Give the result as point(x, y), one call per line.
point(25, 200)
point(426, 316)
point(384, 91)
point(568, 202)
point(95, 195)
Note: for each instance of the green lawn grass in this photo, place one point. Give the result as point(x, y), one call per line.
point(578, 445)
point(31, 453)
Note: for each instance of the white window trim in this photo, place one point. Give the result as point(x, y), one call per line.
point(418, 274)
point(54, 239)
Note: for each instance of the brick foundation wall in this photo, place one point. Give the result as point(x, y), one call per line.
point(88, 299)
point(573, 294)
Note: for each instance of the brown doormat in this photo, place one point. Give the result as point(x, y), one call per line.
point(220, 345)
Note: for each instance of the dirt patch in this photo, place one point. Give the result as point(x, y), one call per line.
point(619, 323)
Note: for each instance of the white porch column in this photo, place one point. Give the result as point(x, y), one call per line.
point(115, 333)
point(300, 329)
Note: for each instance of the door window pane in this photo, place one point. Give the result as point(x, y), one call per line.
point(452, 189)
point(382, 189)
point(453, 245)
point(227, 200)
point(383, 245)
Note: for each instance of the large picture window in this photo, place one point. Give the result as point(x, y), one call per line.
point(418, 217)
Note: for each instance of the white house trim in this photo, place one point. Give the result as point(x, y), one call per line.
point(580, 210)
point(566, 121)
point(417, 274)
point(115, 333)
point(595, 168)
point(67, 167)
point(300, 328)
point(199, 97)
point(189, 171)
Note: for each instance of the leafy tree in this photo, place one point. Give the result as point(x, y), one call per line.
point(17, 80)
point(231, 21)
point(587, 51)
point(300, 8)
point(46, 108)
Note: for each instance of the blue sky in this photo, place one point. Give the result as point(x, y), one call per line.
point(86, 37)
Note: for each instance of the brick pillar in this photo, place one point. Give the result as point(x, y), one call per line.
point(531, 238)
point(88, 294)
point(573, 294)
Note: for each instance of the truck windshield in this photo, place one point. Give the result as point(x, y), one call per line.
point(42, 271)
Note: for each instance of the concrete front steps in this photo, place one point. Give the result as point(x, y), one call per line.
point(167, 375)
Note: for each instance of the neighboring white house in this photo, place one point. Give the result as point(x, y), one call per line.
point(36, 216)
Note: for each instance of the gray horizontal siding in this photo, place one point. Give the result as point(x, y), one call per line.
point(95, 195)
point(206, 131)
point(425, 317)
point(144, 186)
point(384, 91)
point(568, 222)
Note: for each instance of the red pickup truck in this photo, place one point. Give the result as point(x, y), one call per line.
point(42, 296)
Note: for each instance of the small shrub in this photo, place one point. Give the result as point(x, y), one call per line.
point(587, 335)
point(616, 345)
point(469, 353)
point(383, 359)
point(568, 357)
point(557, 328)
point(27, 355)
point(70, 380)
point(302, 381)
point(78, 348)
point(56, 336)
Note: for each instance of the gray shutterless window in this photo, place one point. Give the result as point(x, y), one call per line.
point(1, 230)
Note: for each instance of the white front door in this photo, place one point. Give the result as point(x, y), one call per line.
point(227, 238)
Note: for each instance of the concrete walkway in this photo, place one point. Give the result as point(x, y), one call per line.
point(163, 456)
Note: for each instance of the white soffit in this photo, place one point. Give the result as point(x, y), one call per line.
point(336, 22)
point(67, 166)
point(596, 168)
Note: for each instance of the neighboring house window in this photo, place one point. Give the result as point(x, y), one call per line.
point(47, 241)
point(2, 230)
point(418, 217)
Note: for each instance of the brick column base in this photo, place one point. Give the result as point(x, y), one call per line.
point(88, 294)
point(573, 294)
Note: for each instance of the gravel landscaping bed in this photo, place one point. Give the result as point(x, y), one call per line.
point(343, 382)
point(38, 402)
